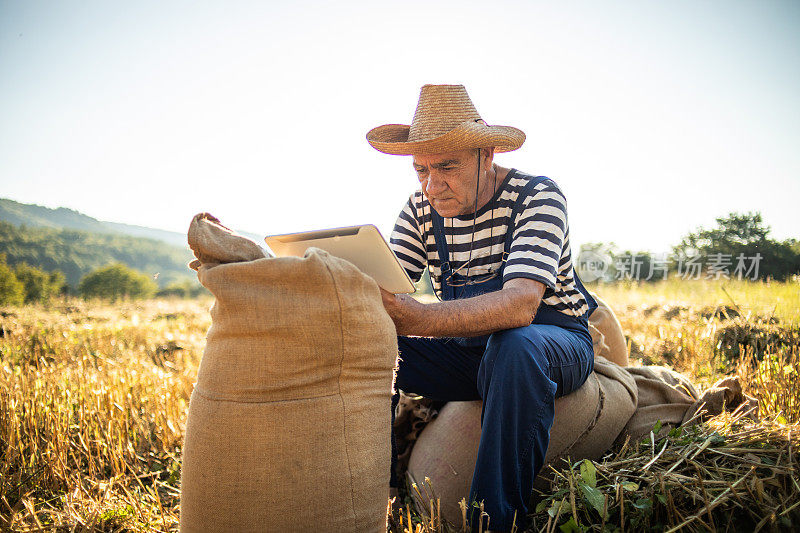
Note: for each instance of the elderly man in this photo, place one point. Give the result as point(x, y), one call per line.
point(511, 326)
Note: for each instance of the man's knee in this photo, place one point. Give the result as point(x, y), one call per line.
point(520, 344)
point(516, 351)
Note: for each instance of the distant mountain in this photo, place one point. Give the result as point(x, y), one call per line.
point(170, 237)
point(37, 216)
point(76, 253)
point(75, 244)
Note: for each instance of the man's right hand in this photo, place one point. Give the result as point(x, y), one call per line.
point(513, 306)
point(404, 310)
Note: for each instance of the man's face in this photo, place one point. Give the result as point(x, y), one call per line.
point(448, 180)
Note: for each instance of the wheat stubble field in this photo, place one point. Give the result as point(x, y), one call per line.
point(93, 401)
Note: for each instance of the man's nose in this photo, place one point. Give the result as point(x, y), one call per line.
point(436, 185)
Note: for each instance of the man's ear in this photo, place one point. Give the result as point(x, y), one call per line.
point(488, 158)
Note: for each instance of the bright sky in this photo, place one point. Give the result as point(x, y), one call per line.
point(653, 117)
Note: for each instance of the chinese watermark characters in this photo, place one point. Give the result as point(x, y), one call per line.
point(596, 265)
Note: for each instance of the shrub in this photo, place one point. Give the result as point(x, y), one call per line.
point(39, 286)
point(116, 281)
point(12, 292)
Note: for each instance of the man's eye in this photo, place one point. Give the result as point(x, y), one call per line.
point(447, 168)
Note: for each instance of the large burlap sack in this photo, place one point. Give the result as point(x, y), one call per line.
point(669, 398)
point(288, 426)
point(586, 424)
point(607, 336)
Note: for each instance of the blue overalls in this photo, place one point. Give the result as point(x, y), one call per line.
point(517, 373)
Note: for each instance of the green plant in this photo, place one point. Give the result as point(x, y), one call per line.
point(39, 285)
point(12, 291)
point(116, 281)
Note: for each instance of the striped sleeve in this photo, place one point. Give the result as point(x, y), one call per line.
point(539, 234)
point(406, 242)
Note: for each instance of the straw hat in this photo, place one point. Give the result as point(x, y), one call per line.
point(445, 121)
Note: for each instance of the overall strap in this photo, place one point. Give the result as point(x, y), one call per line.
point(444, 255)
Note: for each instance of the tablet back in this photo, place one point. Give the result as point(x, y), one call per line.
point(364, 246)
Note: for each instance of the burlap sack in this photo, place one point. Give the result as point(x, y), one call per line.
point(607, 336)
point(669, 398)
point(585, 426)
point(212, 243)
point(288, 426)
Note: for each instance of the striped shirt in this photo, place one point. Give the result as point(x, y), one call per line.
point(539, 248)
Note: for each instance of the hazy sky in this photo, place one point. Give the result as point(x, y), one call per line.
point(653, 117)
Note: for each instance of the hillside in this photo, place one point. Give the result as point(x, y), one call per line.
point(37, 216)
point(75, 253)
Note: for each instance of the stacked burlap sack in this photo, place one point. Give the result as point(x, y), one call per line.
point(616, 402)
point(288, 426)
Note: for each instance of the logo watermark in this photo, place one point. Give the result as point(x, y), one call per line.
point(602, 265)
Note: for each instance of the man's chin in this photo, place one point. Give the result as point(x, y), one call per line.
point(446, 209)
point(447, 213)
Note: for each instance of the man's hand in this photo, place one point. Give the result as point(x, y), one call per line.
point(403, 309)
point(513, 306)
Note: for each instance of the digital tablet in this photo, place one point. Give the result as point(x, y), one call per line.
point(364, 246)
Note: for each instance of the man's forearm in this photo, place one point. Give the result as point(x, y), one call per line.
point(469, 317)
point(513, 306)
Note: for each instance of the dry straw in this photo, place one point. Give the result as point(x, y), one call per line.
point(728, 473)
point(93, 402)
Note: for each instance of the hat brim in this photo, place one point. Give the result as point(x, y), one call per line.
point(393, 139)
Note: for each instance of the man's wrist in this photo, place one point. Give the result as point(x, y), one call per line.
point(412, 313)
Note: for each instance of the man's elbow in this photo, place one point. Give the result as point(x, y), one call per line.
point(525, 301)
point(520, 310)
point(524, 315)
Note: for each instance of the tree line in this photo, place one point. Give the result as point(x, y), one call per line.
point(738, 246)
point(24, 284)
point(38, 263)
point(76, 253)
